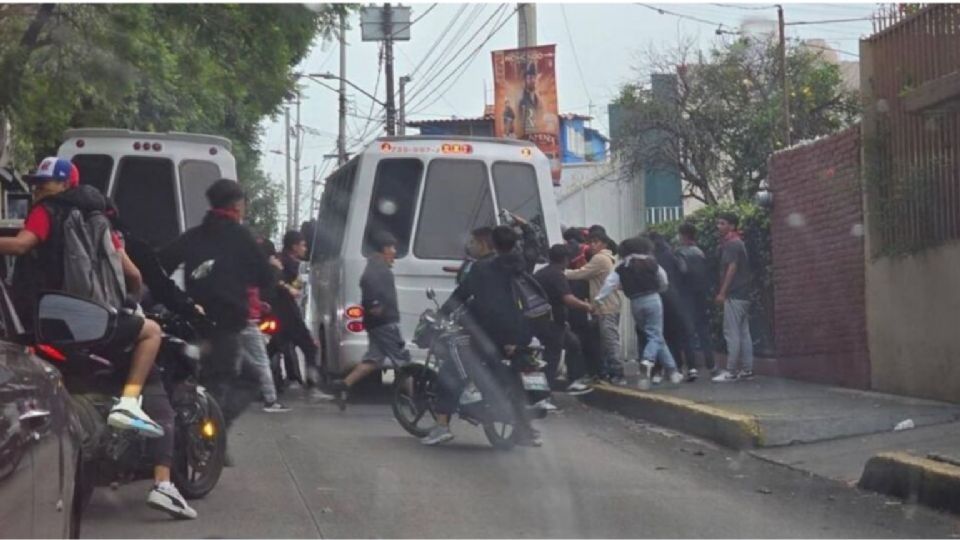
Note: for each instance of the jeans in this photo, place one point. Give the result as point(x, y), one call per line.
point(256, 360)
point(609, 327)
point(697, 311)
point(557, 338)
point(648, 313)
point(736, 330)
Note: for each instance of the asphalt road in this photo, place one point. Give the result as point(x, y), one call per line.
point(316, 472)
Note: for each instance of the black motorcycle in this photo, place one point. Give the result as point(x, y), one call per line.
point(67, 327)
point(416, 386)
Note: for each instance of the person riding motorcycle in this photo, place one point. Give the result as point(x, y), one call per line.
point(39, 268)
point(497, 329)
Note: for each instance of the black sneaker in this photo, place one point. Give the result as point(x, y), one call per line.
point(745, 375)
point(340, 394)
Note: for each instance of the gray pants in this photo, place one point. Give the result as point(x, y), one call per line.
point(736, 330)
point(609, 327)
point(253, 354)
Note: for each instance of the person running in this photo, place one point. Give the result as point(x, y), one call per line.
point(42, 266)
point(642, 280)
point(255, 357)
point(734, 296)
point(381, 316)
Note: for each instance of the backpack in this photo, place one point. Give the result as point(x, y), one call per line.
point(530, 297)
point(92, 267)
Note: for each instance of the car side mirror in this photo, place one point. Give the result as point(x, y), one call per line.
point(64, 320)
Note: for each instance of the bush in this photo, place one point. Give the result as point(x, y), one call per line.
point(755, 228)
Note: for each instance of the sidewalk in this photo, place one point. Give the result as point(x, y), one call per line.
point(842, 434)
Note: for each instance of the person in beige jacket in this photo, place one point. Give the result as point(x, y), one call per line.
point(607, 316)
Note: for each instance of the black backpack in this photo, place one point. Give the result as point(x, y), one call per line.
point(530, 296)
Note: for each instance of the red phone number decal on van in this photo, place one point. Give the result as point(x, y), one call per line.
point(446, 148)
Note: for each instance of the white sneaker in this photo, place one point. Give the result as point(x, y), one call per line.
point(127, 414)
point(167, 498)
point(546, 405)
point(578, 388)
point(438, 435)
point(692, 375)
point(656, 379)
point(725, 376)
point(676, 377)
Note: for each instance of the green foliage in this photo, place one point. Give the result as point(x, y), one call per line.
point(755, 230)
point(204, 68)
point(725, 119)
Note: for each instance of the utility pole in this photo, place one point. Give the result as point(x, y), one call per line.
point(527, 25)
point(388, 64)
point(403, 103)
point(313, 194)
point(296, 166)
point(342, 133)
point(783, 79)
point(286, 124)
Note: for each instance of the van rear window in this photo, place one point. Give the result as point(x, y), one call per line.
point(456, 200)
point(95, 170)
point(393, 203)
point(195, 178)
point(518, 192)
point(146, 197)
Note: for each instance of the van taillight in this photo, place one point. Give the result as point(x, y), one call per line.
point(355, 326)
point(213, 151)
point(81, 143)
point(51, 353)
point(136, 146)
point(354, 312)
point(157, 147)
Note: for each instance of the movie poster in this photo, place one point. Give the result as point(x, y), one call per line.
point(525, 94)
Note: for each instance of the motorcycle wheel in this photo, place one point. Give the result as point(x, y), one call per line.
point(199, 458)
point(500, 434)
point(414, 393)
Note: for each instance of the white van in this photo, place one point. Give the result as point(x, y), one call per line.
point(429, 192)
point(157, 180)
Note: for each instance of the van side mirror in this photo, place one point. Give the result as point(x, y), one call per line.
point(64, 320)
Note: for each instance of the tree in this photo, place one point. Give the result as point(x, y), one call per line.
point(724, 119)
point(207, 68)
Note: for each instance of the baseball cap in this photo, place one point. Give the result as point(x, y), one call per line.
point(51, 168)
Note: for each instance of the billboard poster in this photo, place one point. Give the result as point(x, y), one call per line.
point(525, 99)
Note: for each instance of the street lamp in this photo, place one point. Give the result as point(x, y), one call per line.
point(330, 76)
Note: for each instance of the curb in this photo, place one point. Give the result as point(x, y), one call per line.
point(734, 430)
point(926, 481)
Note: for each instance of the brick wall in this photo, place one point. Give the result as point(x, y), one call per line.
point(818, 263)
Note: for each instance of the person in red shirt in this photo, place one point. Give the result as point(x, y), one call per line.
point(52, 179)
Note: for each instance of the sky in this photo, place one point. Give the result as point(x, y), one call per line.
point(599, 49)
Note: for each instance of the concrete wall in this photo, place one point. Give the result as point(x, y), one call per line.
point(913, 308)
point(604, 194)
point(818, 262)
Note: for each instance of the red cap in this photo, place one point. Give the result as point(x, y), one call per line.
point(74, 178)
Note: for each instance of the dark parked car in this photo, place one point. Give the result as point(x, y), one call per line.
point(39, 441)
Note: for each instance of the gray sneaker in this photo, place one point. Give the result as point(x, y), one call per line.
point(275, 406)
point(438, 435)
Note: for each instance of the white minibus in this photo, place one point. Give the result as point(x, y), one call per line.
point(429, 192)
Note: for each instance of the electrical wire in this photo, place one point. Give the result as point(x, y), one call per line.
point(681, 15)
point(414, 21)
point(576, 57)
point(447, 50)
point(439, 40)
point(430, 74)
point(467, 61)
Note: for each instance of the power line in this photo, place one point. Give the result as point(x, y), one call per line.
point(746, 8)
point(443, 35)
point(681, 15)
point(828, 21)
point(576, 57)
point(466, 62)
point(414, 21)
point(430, 74)
point(447, 49)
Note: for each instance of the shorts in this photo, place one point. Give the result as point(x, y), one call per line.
point(386, 342)
point(124, 337)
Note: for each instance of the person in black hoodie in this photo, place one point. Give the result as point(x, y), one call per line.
point(675, 324)
point(221, 262)
point(381, 316)
point(498, 330)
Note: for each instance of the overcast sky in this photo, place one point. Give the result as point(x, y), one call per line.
point(605, 38)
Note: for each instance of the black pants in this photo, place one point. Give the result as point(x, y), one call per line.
point(696, 308)
point(675, 330)
point(223, 377)
point(557, 338)
point(293, 330)
point(156, 403)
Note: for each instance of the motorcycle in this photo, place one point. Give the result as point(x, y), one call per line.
point(286, 363)
point(416, 386)
point(67, 327)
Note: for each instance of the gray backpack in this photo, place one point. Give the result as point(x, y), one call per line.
point(92, 267)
